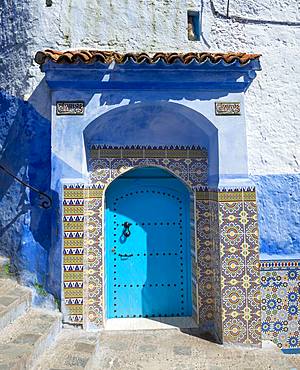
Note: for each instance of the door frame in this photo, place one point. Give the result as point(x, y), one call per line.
point(190, 166)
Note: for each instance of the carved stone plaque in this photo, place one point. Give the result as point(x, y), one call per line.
point(70, 108)
point(228, 108)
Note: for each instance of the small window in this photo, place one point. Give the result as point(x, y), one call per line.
point(193, 25)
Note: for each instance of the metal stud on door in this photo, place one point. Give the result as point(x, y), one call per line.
point(148, 251)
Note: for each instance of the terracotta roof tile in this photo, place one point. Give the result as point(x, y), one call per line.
point(92, 56)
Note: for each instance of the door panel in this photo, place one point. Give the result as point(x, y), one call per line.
point(148, 272)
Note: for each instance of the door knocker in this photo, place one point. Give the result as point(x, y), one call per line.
point(126, 231)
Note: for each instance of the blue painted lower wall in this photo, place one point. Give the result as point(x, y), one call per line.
point(25, 228)
point(278, 215)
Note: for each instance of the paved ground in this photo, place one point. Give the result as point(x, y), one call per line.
point(174, 350)
point(72, 350)
point(31, 339)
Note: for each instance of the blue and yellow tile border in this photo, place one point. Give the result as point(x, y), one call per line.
point(73, 252)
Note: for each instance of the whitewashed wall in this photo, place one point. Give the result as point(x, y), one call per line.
point(160, 25)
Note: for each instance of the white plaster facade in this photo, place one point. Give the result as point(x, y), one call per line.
point(142, 25)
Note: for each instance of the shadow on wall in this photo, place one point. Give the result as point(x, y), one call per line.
point(110, 99)
point(155, 123)
point(158, 123)
point(25, 149)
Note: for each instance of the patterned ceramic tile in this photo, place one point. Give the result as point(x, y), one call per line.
point(234, 299)
point(280, 288)
point(233, 266)
point(254, 328)
point(251, 209)
point(239, 266)
point(230, 196)
point(94, 256)
point(73, 223)
point(234, 329)
point(254, 297)
point(252, 266)
point(206, 284)
point(231, 210)
point(101, 170)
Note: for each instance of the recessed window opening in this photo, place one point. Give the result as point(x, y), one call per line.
point(193, 25)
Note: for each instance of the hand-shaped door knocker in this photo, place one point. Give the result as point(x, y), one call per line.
point(126, 231)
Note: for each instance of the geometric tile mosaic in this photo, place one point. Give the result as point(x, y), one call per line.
point(233, 272)
point(205, 259)
point(94, 261)
point(280, 287)
point(239, 261)
point(73, 222)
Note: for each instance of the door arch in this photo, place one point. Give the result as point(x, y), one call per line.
point(148, 245)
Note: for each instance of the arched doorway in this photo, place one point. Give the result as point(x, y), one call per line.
point(148, 245)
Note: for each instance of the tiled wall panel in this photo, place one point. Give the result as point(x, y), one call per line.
point(73, 228)
point(216, 263)
point(239, 260)
point(94, 260)
point(280, 286)
point(205, 265)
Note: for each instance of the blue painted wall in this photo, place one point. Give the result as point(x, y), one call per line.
point(279, 215)
point(25, 148)
point(25, 228)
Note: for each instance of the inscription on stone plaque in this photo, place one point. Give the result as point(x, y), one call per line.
point(70, 108)
point(228, 108)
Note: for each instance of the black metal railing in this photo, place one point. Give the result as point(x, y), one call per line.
point(45, 200)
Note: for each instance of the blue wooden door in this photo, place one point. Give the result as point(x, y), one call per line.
point(147, 246)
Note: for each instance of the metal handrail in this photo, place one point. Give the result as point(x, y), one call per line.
point(45, 203)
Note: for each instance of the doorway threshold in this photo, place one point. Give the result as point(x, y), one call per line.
point(154, 323)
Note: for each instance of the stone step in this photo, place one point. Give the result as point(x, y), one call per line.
point(177, 350)
point(25, 339)
point(73, 349)
point(14, 301)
